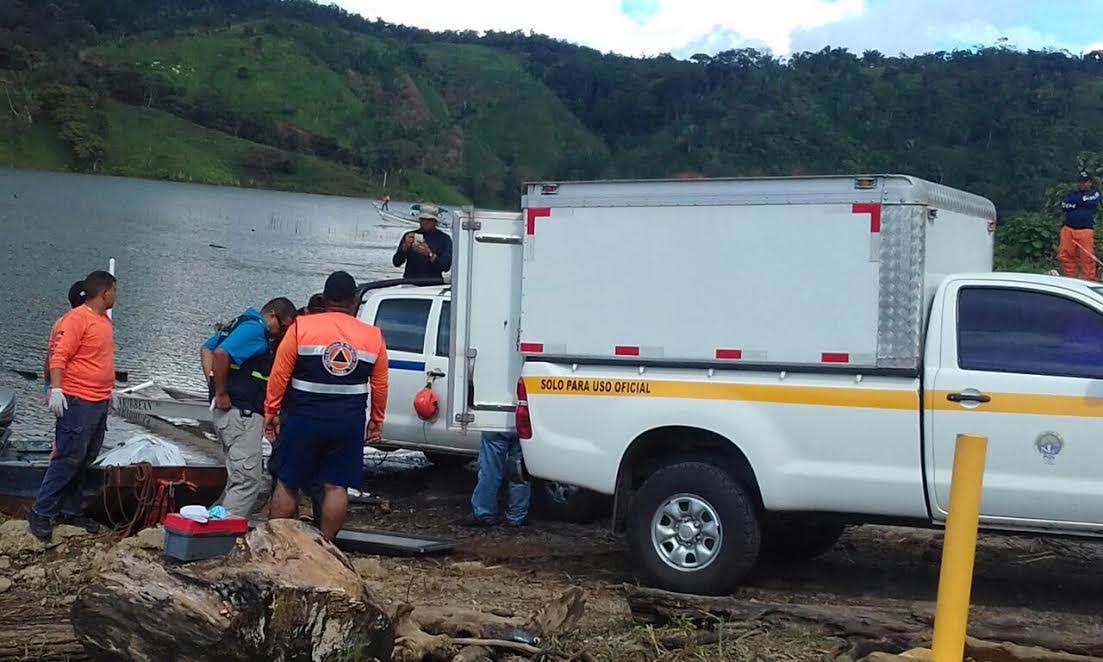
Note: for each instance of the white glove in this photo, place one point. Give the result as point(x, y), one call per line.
point(57, 403)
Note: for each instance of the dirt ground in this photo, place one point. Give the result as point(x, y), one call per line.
point(516, 571)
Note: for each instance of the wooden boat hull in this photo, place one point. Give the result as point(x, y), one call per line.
point(116, 495)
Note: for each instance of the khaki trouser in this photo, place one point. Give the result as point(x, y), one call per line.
point(241, 443)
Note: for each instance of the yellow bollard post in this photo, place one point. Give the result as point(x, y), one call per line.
point(955, 581)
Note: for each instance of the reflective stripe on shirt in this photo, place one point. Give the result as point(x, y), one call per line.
point(319, 350)
point(330, 389)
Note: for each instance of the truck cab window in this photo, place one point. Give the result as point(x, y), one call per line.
point(444, 329)
point(1026, 332)
point(403, 323)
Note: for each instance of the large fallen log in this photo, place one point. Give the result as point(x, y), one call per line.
point(905, 626)
point(285, 593)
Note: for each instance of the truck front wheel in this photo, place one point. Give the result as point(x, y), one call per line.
point(693, 528)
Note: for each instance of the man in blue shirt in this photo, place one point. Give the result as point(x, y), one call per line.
point(1077, 250)
point(237, 361)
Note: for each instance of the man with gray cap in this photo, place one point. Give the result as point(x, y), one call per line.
point(426, 252)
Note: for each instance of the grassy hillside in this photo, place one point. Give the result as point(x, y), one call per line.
point(429, 114)
point(146, 142)
point(149, 143)
point(263, 78)
point(31, 146)
point(511, 120)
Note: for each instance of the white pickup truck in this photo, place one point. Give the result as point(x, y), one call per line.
point(747, 365)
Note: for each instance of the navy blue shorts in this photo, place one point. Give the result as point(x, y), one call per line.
point(317, 450)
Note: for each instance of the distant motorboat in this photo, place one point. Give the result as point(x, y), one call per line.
point(410, 219)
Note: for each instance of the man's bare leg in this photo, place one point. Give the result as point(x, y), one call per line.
point(335, 509)
point(285, 502)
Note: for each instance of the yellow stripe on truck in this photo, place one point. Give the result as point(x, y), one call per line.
point(824, 396)
point(1021, 403)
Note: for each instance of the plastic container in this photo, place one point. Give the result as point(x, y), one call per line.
point(188, 540)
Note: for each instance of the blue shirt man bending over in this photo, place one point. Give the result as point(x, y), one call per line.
point(237, 361)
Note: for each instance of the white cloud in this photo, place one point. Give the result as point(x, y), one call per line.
point(601, 25)
point(685, 27)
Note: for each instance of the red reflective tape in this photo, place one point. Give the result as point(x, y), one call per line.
point(729, 354)
point(533, 214)
point(532, 347)
point(626, 350)
point(834, 357)
point(874, 211)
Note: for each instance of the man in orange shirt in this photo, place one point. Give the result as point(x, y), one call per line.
point(325, 367)
point(82, 374)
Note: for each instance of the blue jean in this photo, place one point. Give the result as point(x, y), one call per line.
point(78, 437)
point(500, 458)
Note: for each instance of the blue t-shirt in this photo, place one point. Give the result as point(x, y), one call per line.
point(248, 340)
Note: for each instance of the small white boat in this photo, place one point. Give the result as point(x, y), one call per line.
point(165, 402)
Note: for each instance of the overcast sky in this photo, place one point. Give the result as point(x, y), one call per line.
point(685, 27)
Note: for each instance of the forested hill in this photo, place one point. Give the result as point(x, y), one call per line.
point(290, 94)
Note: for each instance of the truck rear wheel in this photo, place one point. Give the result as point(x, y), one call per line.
point(693, 528)
point(794, 540)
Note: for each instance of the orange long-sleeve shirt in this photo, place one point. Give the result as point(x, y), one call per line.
point(325, 339)
point(82, 345)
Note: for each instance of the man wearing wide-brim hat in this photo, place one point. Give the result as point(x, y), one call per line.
point(426, 252)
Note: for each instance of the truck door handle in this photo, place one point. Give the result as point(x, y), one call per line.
point(968, 397)
point(436, 372)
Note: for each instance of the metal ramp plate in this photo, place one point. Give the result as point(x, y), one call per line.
point(387, 543)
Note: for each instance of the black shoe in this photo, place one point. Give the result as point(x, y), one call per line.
point(476, 523)
point(42, 527)
point(517, 525)
point(87, 523)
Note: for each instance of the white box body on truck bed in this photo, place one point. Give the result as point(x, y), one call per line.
point(774, 271)
point(747, 364)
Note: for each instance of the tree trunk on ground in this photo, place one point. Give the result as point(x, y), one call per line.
point(40, 640)
point(902, 626)
point(285, 593)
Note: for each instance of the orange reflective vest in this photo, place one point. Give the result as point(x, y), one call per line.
point(326, 367)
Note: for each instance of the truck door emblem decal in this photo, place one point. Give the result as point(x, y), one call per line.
point(1049, 444)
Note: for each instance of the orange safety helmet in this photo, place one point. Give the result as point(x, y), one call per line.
point(426, 404)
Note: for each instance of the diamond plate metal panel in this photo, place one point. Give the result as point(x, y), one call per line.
point(900, 301)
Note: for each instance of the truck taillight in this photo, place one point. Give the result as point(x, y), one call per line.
point(524, 422)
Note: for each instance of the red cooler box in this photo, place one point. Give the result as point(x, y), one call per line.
point(188, 540)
